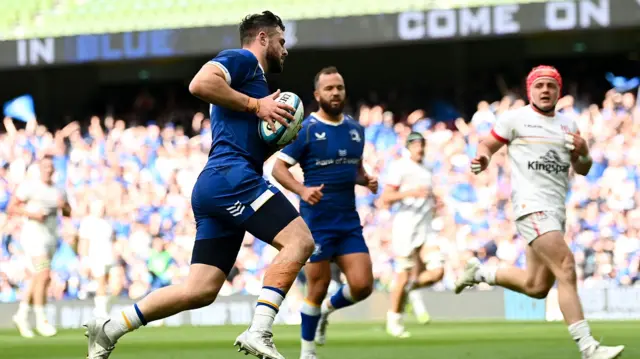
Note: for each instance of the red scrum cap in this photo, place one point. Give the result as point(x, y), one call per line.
point(543, 72)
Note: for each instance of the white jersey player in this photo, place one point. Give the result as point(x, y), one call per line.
point(409, 187)
point(542, 147)
point(38, 201)
point(96, 234)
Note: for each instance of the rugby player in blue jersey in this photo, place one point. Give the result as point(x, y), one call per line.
point(329, 150)
point(231, 197)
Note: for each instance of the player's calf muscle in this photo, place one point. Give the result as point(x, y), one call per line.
point(296, 246)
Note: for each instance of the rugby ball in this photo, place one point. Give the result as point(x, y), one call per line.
point(283, 135)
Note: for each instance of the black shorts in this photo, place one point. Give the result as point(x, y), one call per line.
point(269, 220)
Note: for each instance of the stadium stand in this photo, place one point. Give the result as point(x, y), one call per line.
point(51, 18)
point(145, 173)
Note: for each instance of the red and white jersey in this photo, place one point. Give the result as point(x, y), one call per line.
point(406, 174)
point(539, 161)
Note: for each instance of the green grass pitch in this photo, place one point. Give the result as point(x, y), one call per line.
point(451, 340)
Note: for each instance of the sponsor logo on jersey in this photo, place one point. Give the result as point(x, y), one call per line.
point(550, 163)
point(355, 136)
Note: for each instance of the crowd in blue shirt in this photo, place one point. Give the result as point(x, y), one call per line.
point(145, 174)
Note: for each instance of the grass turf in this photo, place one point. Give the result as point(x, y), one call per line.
point(477, 340)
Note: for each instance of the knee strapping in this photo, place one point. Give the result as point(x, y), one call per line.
point(41, 265)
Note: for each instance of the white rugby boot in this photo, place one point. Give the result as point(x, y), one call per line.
point(395, 326)
point(23, 326)
point(100, 346)
point(398, 331)
point(321, 329)
point(468, 278)
point(258, 343)
point(308, 355)
point(603, 352)
point(45, 329)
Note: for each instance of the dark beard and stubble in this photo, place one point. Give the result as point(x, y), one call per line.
point(330, 110)
point(274, 62)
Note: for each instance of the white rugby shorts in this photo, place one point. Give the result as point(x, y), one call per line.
point(406, 242)
point(100, 269)
point(533, 225)
point(38, 244)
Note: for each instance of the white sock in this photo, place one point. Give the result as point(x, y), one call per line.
point(307, 346)
point(41, 317)
point(581, 334)
point(486, 274)
point(124, 322)
point(267, 307)
point(23, 310)
point(101, 302)
point(394, 319)
point(326, 307)
point(419, 308)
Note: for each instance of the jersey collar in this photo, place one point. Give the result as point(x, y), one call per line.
point(325, 121)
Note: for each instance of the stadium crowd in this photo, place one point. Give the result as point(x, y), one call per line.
point(145, 174)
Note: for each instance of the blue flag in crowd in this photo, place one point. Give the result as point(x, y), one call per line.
point(621, 83)
point(20, 108)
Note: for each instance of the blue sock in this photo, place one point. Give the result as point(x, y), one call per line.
point(340, 299)
point(310, 314)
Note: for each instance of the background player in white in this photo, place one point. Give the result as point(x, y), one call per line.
point(409, 185)
point(96, 242)
point(542, 146)
point(38, 200)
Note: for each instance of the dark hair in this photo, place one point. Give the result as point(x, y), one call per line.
point(325, 71)
point(252, 24)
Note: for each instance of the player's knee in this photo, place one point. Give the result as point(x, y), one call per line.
point(539, 292)
point(438, 274)
point(44, 274)
point(200, 296)
point(306, 243)
point(296, 236)
point(361, 290)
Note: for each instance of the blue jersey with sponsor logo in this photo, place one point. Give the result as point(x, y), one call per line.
point(329, 153)
point(235, 134)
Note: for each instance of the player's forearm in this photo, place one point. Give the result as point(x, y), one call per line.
point(582, 165)
point(215, 90)
point(282, 174)
point(15, 208)
point(391, 197)
point(19, 210)
point(484, 150)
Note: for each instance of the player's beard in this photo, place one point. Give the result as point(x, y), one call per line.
point(274, 62)
point(330, 109)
